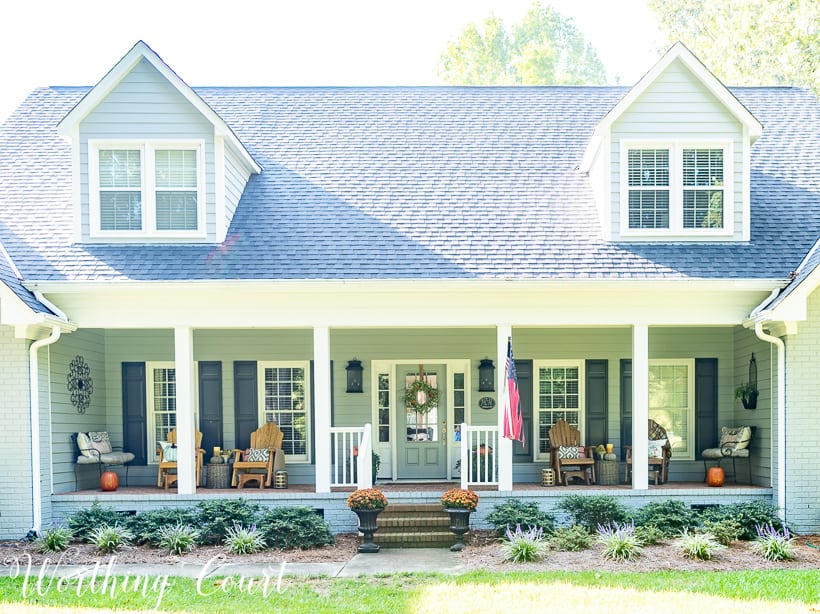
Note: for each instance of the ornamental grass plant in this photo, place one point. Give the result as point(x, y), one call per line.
point(367, 499)
point(619, 541)
point(459, 499)
point(524, 546)
point(773, 544)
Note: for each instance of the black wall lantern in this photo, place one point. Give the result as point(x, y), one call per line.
point(486, 376)
point(354, 375)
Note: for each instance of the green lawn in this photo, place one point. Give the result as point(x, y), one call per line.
point(747, 592)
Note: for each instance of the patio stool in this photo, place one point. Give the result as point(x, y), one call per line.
point(244, 478)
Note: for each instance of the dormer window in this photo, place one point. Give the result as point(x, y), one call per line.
point(676, 188)
point(146, 189)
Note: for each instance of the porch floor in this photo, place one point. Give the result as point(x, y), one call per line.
point(409, 488)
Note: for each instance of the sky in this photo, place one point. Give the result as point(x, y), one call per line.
point(293, 42)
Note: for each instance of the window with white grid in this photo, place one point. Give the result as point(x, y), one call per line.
point(139, 189)
point(384, 407)
point(559, 394)
point(671, 402)
point(676, 188)
point(162, 404)
point(285, 402)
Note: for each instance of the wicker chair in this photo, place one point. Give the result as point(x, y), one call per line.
point(567, 463)
point(658, 463)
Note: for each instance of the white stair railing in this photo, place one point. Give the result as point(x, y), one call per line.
point(351, 463)
point(479, 462)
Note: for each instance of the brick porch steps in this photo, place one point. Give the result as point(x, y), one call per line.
point(414, 526)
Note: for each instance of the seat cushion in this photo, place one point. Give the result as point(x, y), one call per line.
point(113, 458)
point(727, 452)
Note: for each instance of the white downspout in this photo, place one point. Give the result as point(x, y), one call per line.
point(781, 415)
point(34, 395)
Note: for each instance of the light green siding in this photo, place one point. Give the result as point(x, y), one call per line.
point(144, 106)
point(677, 106)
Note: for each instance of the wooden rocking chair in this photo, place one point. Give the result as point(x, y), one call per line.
point(570, 459)
point(259, 462)
point(167, 471)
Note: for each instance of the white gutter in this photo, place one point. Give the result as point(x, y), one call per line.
point(34, 395)
point(54, 309)
point(781, 416)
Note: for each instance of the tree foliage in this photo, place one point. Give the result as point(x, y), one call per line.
point(749, 42)
point(544, 49)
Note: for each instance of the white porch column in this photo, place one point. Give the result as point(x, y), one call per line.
point(504, 452)
point(321, 391)
point(640, 406)
point(184, 365)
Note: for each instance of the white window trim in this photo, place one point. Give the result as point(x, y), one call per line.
point(676, 147)
point(262, 418)
point(538, 364)
point(153, 455)
point(149, 223)
point(690, 431)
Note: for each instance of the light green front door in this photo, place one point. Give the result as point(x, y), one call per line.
point(421, 448)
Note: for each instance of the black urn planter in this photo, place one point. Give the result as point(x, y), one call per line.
point(459, 524)
point(368, 526)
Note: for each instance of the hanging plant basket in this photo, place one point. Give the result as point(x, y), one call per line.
point(421, 397)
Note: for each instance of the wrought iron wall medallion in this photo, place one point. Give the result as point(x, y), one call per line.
point(80, 384)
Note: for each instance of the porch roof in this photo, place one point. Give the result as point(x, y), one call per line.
point(412, 182)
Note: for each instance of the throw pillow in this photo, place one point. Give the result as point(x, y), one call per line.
point(735, 438)
point(568, 452)
point(656, 447)
point(257, 455)
point(100, 441)
point(84, 443)
point(169, 451)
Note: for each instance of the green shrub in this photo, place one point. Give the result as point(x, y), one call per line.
point(55, 539)
point(516, 512)
point(109, 538)
point(773, 544)
point(649, 534)
point(571, 539)
point(147, 526)
point(700, 545)
point(177, 539)
point(294, 527)
point(620, 541)
point(83, 522)
point(749, 515)
point(671, 518)
point(593, 510)
point(524, 546)
point(215, 517)
point(725, 531)
point(244, 540)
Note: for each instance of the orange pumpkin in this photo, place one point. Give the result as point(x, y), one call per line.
point(715, 476)
point(109, 481)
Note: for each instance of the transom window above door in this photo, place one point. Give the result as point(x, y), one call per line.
point(146, 189)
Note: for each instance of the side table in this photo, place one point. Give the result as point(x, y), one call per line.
point(218, 475)
point(607, 472)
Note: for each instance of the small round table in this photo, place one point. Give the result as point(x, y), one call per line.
point(217, 475)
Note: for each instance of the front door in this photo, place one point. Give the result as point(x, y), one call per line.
point(421, 444)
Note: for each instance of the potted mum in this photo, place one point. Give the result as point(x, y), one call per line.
point(459, 504)
point(367, 503)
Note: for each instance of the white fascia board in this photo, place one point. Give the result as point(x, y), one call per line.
point(453, 303)
point(113, 77)
point(678, 52)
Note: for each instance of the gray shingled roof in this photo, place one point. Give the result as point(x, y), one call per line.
point(8, 276)
point(380, 183)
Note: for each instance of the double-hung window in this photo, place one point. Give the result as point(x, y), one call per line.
point(672, 402)
point(139, 189)
point(676, 188)
point(284, 400)
point(559, 395)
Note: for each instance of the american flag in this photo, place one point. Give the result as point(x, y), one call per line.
point(512, 411)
